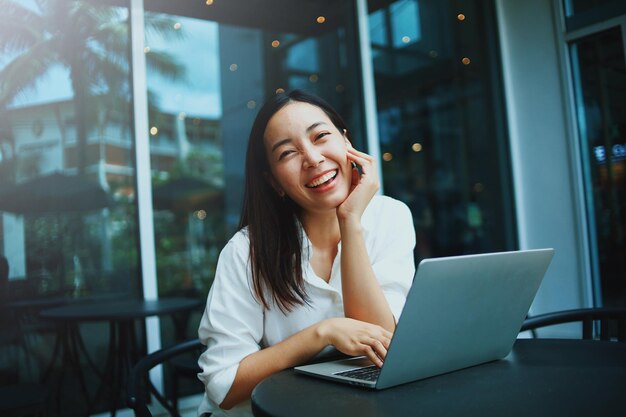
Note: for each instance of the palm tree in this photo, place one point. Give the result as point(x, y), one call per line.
point(90, 40)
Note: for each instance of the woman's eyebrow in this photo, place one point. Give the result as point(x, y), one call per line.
point(308, 129)
point(314, 125)
point(280, 143)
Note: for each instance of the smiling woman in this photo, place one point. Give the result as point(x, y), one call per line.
point(319, 260)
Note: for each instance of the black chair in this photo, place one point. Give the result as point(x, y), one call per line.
point(612, 322)
point(184, 366)
point(136, 395)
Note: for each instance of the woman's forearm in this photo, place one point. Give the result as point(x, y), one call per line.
point(352, 337)
point(363, 299)
point(292, 351)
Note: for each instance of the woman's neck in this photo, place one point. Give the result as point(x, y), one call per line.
point(322, 229)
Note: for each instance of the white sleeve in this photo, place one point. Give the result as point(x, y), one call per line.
point(392, 257)
point(232, 324)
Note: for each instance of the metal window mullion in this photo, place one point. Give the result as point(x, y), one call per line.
point(578, 153)
point(144, 180)
point(623, 28)
point(369, 89)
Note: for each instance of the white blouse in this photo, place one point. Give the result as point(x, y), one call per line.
point(235, 325)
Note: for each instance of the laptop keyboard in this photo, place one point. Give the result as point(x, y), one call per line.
point(368, 373)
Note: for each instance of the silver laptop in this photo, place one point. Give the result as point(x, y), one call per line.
point(461, 311)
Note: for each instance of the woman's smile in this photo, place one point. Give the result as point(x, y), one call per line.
point(323, 180)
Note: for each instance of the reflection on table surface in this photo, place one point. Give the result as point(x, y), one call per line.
point(541, 377)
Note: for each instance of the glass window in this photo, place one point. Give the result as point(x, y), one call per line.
point(65, 112)
point(599, 68)
point(582, 13)
point(67, 172)
point(443, 143)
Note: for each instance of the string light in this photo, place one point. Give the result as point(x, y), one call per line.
point(387, 156)
point(417, 147)
point(233, 67)
point(320, 19)
point(154, 130)
point(275, 43)
point(466, 61)
point(460, 17)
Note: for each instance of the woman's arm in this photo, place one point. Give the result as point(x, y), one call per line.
point(363, 298)
point(348, 336)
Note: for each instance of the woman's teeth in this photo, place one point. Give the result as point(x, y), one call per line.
point(321, 180)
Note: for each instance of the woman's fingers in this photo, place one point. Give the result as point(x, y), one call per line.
point(373, 344)
point(364, 160)
point(367, 163)
point(376, 351)
point(373, 356)
point(359, 154)
point(379, 349)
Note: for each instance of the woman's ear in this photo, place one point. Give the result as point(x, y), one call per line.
point(345, 137)
point(270, 178)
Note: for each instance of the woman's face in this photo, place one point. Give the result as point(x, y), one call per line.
point(307, 156)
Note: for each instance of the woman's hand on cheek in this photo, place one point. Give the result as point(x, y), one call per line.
point(357, 338)
point(363, 188)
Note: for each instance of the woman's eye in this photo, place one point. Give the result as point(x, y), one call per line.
point(284, 154)
point(321, 135)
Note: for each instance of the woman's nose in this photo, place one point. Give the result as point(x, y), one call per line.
point(312, 158)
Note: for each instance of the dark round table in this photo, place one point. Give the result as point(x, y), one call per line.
point(119, 310)
point(123, 350)
point(541, 377)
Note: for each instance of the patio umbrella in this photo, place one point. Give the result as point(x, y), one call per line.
point(53, 193)
point(185, 194)
point(57, 194)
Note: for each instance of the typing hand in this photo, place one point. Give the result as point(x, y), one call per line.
point(357, 338)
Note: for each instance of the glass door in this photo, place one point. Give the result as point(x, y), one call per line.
point(599, 76)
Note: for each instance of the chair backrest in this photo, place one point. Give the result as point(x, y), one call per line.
point(136, 397)
point(587, 316)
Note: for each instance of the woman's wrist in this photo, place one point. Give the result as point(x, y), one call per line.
point(350, 224)
point(323, 331)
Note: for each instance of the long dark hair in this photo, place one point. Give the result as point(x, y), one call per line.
point(272, 221)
